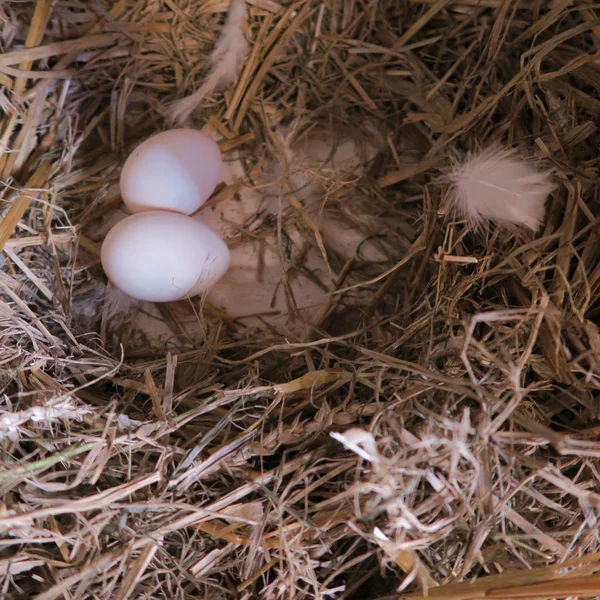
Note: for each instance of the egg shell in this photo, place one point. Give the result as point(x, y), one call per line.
point(176, 171)
point(162, 257)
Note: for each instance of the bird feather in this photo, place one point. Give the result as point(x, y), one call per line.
point(497, 185)
point(227, 59)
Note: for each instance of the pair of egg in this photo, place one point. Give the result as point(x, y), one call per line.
point(159, 253)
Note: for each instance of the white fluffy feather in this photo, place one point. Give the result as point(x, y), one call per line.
point(496, 185)
point(226, 61)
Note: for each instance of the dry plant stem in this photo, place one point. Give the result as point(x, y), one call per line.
point(21, 203)
point(34, 37)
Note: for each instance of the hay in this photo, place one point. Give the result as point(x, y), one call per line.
point(429, 429)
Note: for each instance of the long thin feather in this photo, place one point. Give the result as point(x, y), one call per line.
point(496, 185)
point(227, 59)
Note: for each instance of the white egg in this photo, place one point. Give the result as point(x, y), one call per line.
point(175, 170)
point(162, 257)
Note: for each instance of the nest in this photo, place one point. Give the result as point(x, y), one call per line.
point(429, 427)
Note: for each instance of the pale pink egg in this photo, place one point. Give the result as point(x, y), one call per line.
point(175, 171)
point(162, 257)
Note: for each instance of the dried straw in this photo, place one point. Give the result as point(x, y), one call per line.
point(460, 379)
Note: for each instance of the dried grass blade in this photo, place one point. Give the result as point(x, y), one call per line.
point(21, 203)
point(310, 380)
point(102, 563)
point(56, 48)
point(420, 23)
point(561, 588)
point(269, 60)
point(35, 35)
point(136, 571)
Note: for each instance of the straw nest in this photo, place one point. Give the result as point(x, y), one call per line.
point(431, 422)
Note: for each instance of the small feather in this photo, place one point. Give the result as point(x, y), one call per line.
point(117, 304)
point(227, 59)
point(496, 185)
